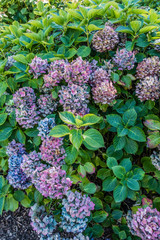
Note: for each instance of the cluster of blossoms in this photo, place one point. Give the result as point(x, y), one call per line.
point(74, 98)
point(157, 45)
point(42, 223)
point(78, 72)
point(148, 89)
point(56, 75)
point(16, 177)
point(148, 67)
point(125, 60)
point(46, 104)
point(104, 93)
point(10, 62)
point(105, 39)
point(155, 158)
point(145, 223)
point(52, 151)
point(99, 75)
point(76, 208)
point(38, 66)
point(79, 236)
point(45, 126)
point(26, 110)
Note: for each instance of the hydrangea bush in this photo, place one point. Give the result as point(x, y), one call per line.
point(80, 118)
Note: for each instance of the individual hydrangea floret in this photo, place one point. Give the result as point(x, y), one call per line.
point(55, 75)
point(155, 158)
point(148, 67)
point(76, 208)
point(15, 148)
point(99, 76)
point(145, 223)
point(148, 89)
point(52, 182)
point(45, 126)
point(157, 45)
point(105, 39)
point(78, 72)
point(10, 62)
point(46, 104)
point(125, 60)
point(26, 110)
point(42, 223)
point(104, 93)
point(16, 177)
point(38, 66)
point(52, 151)
point(74, 99)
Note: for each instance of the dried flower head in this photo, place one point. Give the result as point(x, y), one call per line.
point(46, 105)
point(155, 158)
point(99, 76)
point(125, 60)
point(38, 66)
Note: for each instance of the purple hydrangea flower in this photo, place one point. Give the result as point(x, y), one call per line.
point(125, 60)
point(15, 148)
point(99, 76)
point(45, 126)
point(155, 158)
point(38, 66)
point(46, 104)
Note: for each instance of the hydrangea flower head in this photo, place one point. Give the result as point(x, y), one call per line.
point(99, 76)
point(15, 148)
point(155, 158)
point(46, 105)
point(45, 126)
point(38, 66)
point(125, 60)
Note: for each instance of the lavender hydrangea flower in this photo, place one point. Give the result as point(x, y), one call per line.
point(38, 66)
point(9, 63)
point(78, 72)
point(104, 93)
point(46, 104)
point(55, 75)
point(145, 223)
point(16, 177)
point(99, 76)
point(76, 209)
point(155, 158)
point(15, 148)
point(42, 223)
point(45, 126)
point(26, 109)
point(74, 99)
point(148, 67)
point(148, 89)
point(105, 39)
point(52, 151)
point(125, 60)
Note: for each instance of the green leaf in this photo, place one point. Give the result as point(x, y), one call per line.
point(89, 167)
point(13, 204)
point(122, 235)
point(70, 53)
point(127, 164)
point(3, 87)
point(147, 29)
point(138, 174)
point(72, 155)
point(97, 230)
point(109, 184)
point(129, 117)
point(20, 136)
point(137, 134)
point(135, 25)
point(90, 119)
point(152, 124)
point(119, 171)
point(19, 195)
point(111, 162)
point(119, 142)
point(32, 132)
point(76, 138)
point(117, 214)
point(120, 193)
point(103, 173)
point(84, 51)
point(38, 196)
point(131, 146)
point(93, 138)
point(98, 203)
point(2, 182)
point(2, 201)
point(133, 184)
point(153, 140)
point(20, 58)
point(92, 27)
point(81, 171)
point(115, 78)
point(124, 29)
point(5, 133)
point(90, 188)
point(3, 117)
point(114, 120)
point(26, 202)
point(122, 131)
point(68, 118)
point(40, 6)
point(100, 216)
point(59, 131)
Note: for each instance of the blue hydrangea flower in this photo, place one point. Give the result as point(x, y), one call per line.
point(45, 126)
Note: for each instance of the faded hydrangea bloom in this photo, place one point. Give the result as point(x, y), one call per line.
point(45, 126)
point(76, 209)
point(74, 99)
point(42, 223)
point(15, 148)
point(46, 104)
point(157, 45)
point(125, 60)
point(52, 151)
point(78, 72)
point(38, 66)
point(148, 89)
point(145, 223)
point(99, 76)
point(155, 158)
point(26, 110)
point(104, 93)
point(105, 39)
point(148, 67)
point(10, 62)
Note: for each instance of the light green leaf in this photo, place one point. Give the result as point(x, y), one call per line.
point(119, 171)
point(68, 118)
point(3, 117)
point(90, 188)
point(114, 120)
point(59, 131)
point(137, 134)
point(93, 138)
point(109, 184)
point(90, 119)
point(76, 138)
point(133, 184)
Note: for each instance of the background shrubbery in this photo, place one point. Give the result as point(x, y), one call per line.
point(79, 117)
